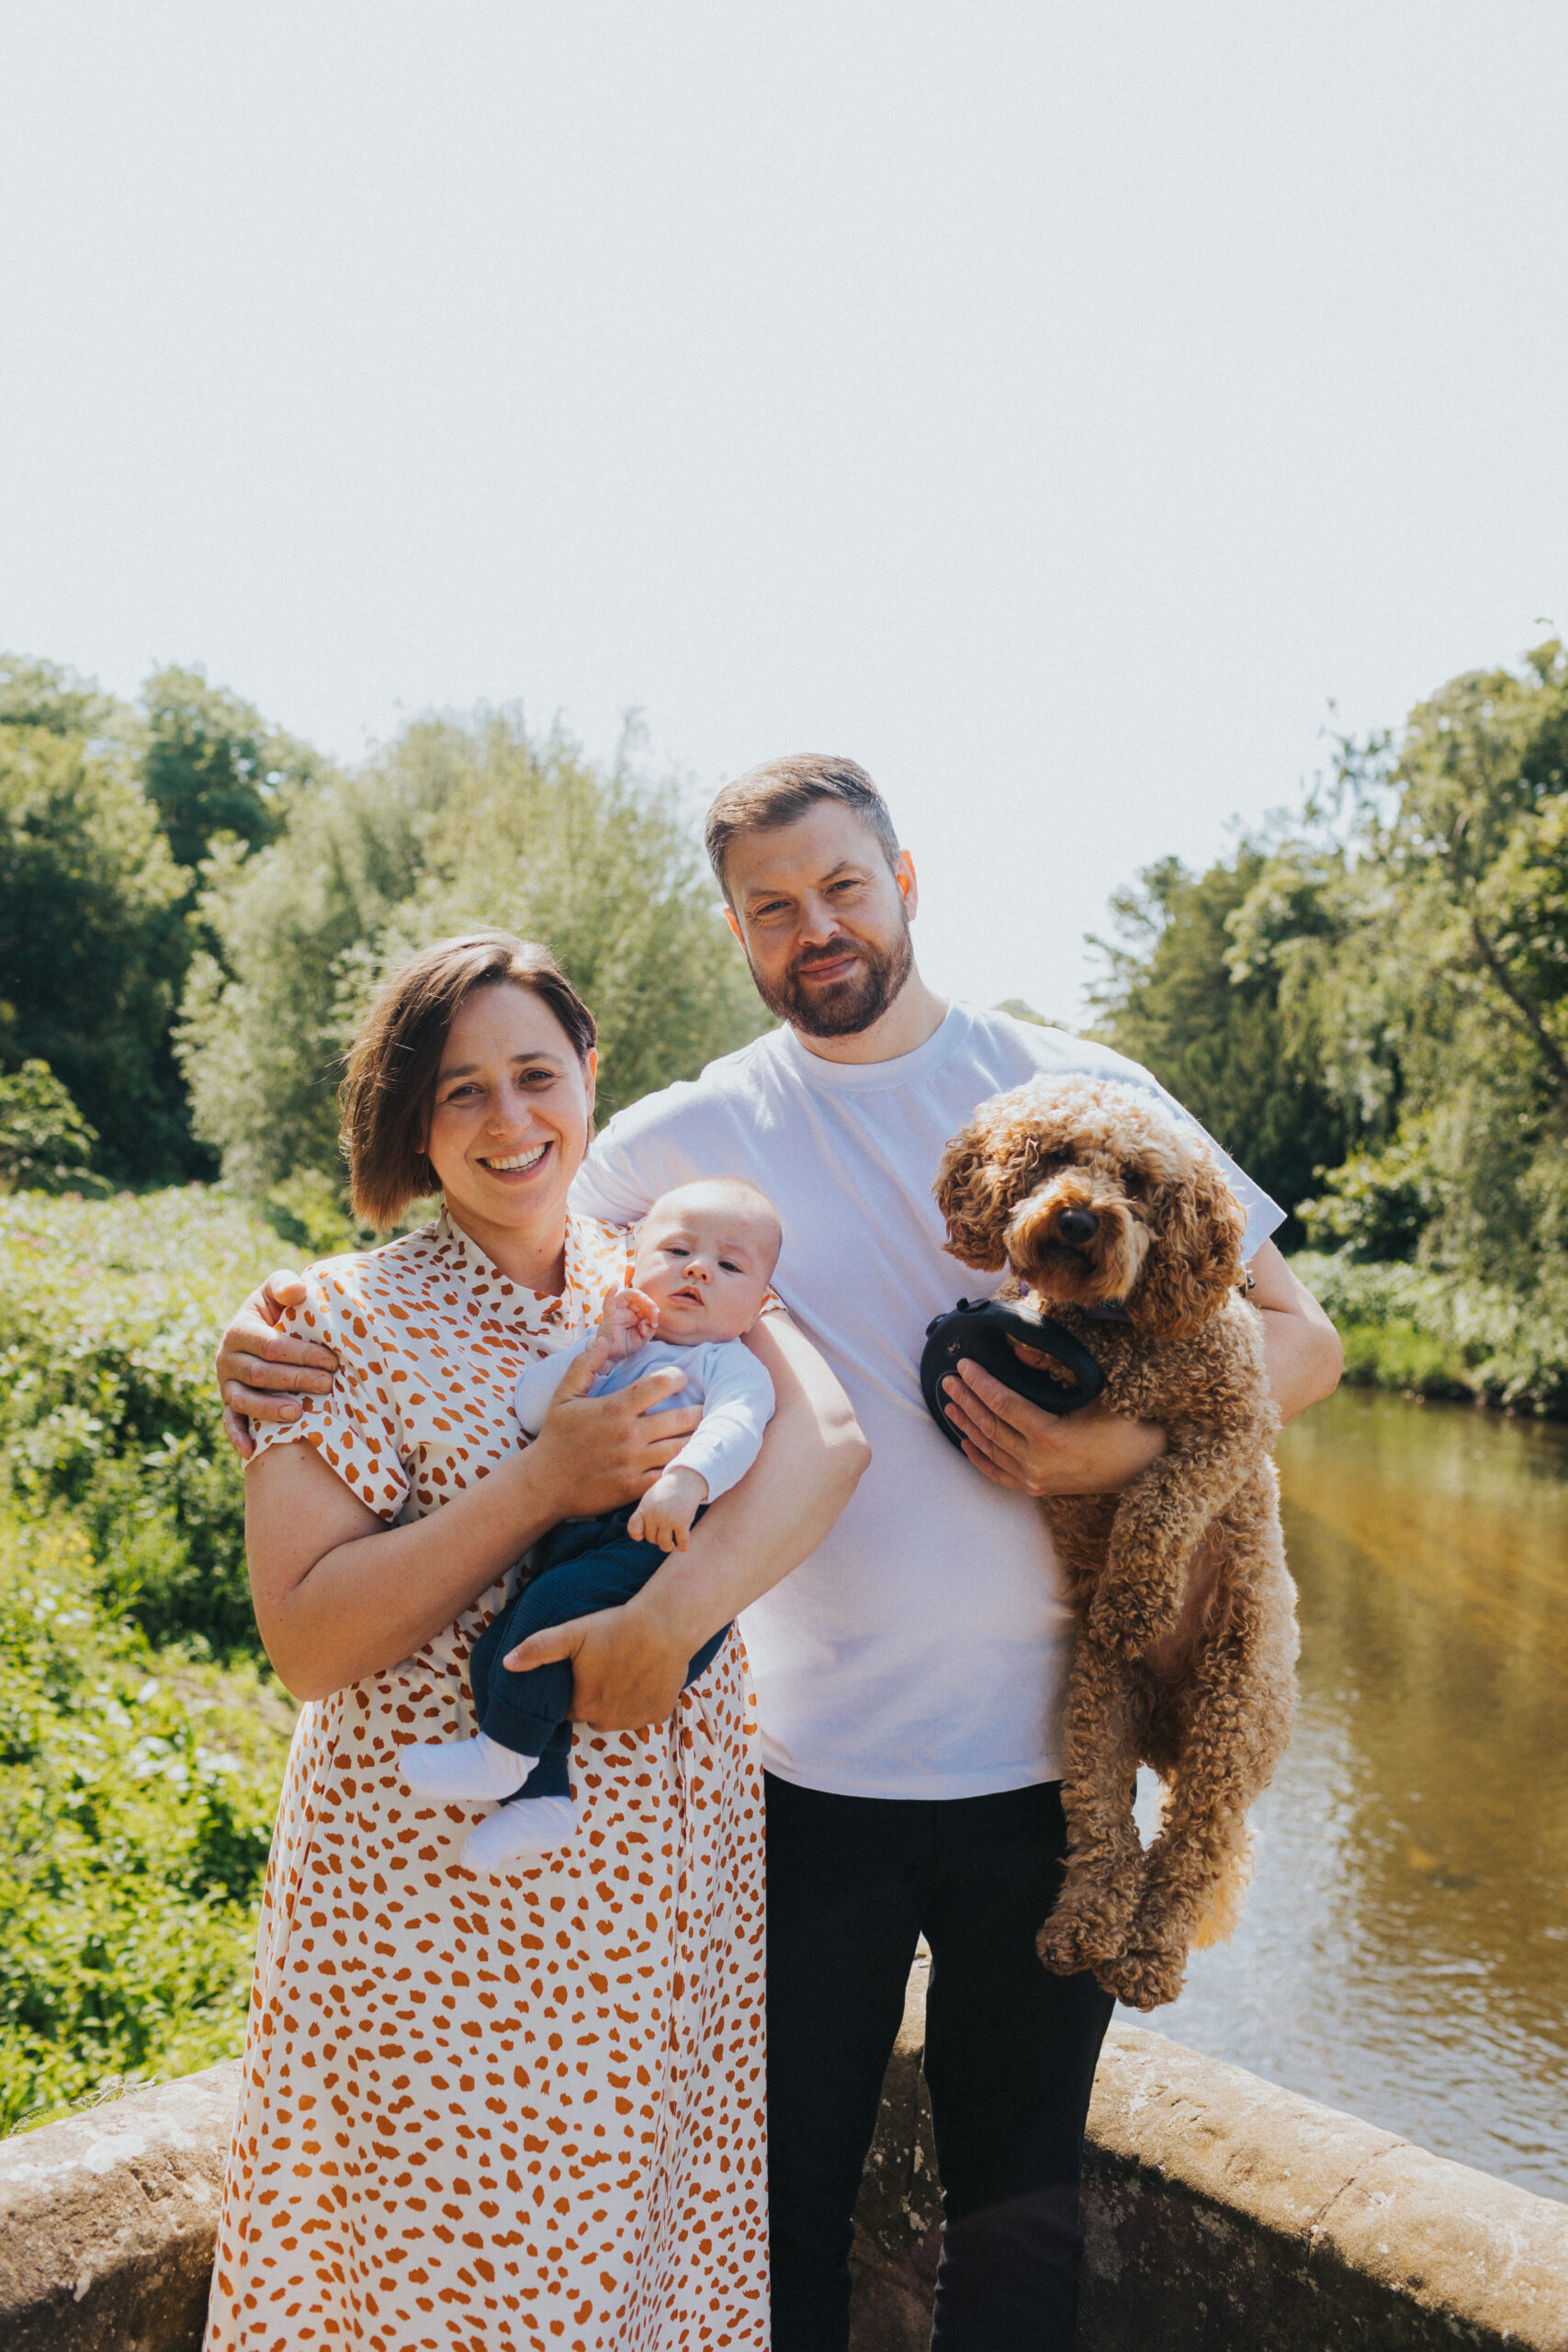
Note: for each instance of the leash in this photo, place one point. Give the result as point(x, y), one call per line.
point(983, 1331)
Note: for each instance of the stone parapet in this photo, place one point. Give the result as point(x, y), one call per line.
point(1221, 2215)
point(107, 2221)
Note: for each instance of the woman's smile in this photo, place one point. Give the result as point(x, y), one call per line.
point(517, 1163)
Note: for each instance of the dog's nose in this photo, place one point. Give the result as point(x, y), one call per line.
point(1077, 1225)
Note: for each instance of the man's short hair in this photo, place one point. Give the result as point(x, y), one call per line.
point(781, 790)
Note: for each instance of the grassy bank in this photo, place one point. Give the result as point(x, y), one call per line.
point(1430, 1336)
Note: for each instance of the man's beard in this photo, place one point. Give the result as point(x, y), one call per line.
point(850, 1004)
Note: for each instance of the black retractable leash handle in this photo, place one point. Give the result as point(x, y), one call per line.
point(982, 1332)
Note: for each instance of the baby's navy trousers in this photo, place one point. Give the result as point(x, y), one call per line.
point(582, 1566)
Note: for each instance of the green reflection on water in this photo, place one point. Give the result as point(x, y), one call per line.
point(1405, 1949)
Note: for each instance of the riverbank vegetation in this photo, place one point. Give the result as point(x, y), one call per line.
point(1368, 1002)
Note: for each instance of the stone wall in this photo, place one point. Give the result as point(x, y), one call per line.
point(1222, 2215)
point(107, 2222)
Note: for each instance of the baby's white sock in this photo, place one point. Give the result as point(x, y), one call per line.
point(465, 1768)
point(513, 1834)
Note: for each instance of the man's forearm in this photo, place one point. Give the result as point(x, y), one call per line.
point(810, 1464)
point(1301, 1345)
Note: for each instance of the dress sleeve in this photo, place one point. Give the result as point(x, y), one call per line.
point(737, 1407)
point(356, 1430)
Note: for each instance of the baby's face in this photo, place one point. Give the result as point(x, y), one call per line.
point(705, 1268)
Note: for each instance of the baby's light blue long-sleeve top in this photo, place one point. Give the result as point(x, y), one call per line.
point(722, 1375)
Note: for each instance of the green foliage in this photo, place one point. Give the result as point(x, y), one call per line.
point(1384, 990)
point(1407, 1328)
point(187, 857)
point(1431, 980)
point(136, 1796)
point(45, 1143)
point(93, 947)
point(1214, 1035)
point(44, 695)
point(456, 824)
point(109, 1315)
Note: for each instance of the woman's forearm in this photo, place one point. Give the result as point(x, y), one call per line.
point(375, 1594)
point(339, 1596)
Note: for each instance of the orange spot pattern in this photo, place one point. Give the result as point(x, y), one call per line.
point(475, 2115)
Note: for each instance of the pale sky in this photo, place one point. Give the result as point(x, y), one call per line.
point(1056, 408)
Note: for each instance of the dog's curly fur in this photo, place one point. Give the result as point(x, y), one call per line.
point(1187, 1636)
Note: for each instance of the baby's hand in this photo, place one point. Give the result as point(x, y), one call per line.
point(665, 1514)
point(627, 1321)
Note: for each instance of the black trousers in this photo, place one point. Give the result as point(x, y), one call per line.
point(582, 1566)
point(1011, 2054)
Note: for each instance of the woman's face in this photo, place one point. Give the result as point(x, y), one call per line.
point(509, 1121)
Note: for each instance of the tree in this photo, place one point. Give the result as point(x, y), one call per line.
point(454, 824)
point(213, 766)
point(1432, 980)
point(92, 947)
point(1174, 997)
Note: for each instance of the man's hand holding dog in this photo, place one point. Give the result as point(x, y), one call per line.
point(1017, 1445)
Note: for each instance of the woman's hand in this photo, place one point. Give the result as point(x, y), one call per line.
point(597, 1452)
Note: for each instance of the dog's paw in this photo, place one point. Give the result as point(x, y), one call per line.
point(1072, 1942)
point(1143, 1980)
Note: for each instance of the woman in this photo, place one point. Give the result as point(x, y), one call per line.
point(525, 2113)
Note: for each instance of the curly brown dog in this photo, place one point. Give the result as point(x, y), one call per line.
point(1097, 1198)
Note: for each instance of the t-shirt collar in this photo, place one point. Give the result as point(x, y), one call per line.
point(865, 1078)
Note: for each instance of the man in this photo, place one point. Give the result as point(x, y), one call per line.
point(909, 1673)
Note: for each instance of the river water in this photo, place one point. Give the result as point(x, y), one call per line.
point(1405, 1950)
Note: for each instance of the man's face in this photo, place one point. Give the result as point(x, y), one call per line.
point(823, 919)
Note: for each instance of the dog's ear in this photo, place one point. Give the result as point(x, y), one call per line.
point(1194, 1256)
point(984, 1172)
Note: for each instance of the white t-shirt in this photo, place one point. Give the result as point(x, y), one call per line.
point(922, 1650)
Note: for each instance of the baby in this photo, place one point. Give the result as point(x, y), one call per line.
point(704, 1256)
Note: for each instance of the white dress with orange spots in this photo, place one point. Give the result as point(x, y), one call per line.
point(477, 2115)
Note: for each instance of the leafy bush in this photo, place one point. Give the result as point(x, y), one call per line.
point(45, 1143)
point(109, 1314)
point(1425, 1333)
point(137, 1794)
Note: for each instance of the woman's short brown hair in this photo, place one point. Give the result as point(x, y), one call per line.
point(389, 1089)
